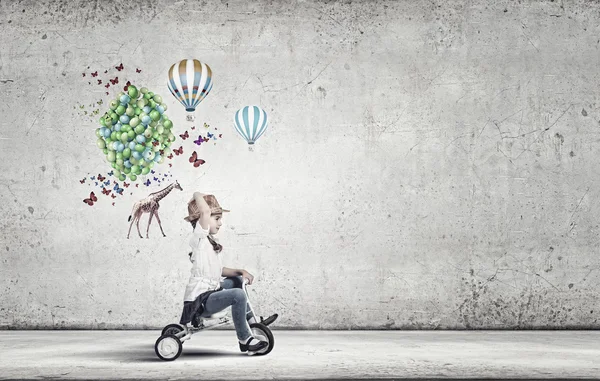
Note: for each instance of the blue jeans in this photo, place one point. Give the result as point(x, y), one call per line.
point(231, 295)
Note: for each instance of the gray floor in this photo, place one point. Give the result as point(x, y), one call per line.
point(304, 355)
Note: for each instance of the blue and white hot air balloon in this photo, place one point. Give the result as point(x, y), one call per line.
point(190, 81)
point(250, 122)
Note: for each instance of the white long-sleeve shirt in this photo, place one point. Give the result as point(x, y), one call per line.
point(206, 266)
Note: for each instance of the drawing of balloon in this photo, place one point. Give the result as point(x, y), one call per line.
point(190, 81)
point(250, 122)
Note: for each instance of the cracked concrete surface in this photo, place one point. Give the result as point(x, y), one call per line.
point(428, 165)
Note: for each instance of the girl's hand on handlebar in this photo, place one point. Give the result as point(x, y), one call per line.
point(247, 276)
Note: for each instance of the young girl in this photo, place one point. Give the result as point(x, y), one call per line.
point(205, 293)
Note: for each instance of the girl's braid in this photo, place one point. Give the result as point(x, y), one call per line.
point(217, 247)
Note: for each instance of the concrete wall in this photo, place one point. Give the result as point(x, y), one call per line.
point(428, 165)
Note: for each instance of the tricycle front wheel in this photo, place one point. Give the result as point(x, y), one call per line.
point(262, 332)
point(168, 347)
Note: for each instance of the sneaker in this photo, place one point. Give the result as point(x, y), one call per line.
point(252, 349)
point(196, 320)
point(269, 320)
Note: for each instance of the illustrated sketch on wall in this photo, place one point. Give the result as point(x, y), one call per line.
point(190, 81)
point(250, 122)
point(96, 78)
point(112, 189)
point(150, 205)
point(90, 201)
point(109, 80)
point(135, 133)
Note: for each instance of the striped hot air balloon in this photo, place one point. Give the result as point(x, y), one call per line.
point(190, 81)
point(250, 122)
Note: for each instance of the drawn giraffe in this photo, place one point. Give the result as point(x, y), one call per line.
point(150, 205)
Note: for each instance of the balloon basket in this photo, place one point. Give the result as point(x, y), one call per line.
point(251, 148)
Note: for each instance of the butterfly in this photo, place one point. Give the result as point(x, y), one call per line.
point(111, 173)
point(184, 135)
point(178, 151)
point(107, 182)
point(107, 85)
point(114, 81)
point(127, 86)
point(93, 177)
point(113, 196)
point(210, 135)
point(89, 83)
point(152, 171)
point(193, 128)
point(117, 189)
point(162, 152)
point(206, 125)
point(113, 204)
point(107, 93)
point(147, 183)
point(194, 160)
point(138, 70)
point(101, 178)
point(220, 136)
point(95, 74)
point(119, 68)
point(137, 185)
point(155, 143)
point(171, 156)
point(83, 74)
point(105, 71)
point(199, 140)
point(170, 165)
point(82, 181)
point(215, 128)
point(156, 179)
point(99, 81)
point(126, 185)
point(90, 201)
point(106, 191)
